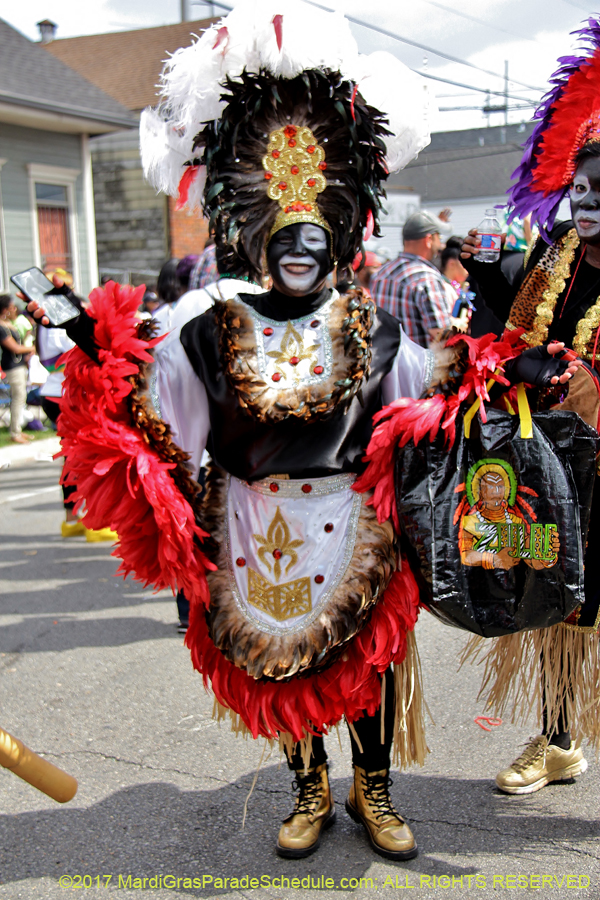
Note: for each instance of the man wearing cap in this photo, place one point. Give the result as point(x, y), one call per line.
point(410, 287)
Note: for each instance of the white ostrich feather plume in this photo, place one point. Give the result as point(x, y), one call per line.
point(191, 83)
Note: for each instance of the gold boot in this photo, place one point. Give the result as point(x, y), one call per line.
point(314, 810)
point(370, 804)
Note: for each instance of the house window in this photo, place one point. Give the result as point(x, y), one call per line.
point(54, 217)
point(53, 226)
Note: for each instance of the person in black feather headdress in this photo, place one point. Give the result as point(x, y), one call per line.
point(290, 174)
point(283, 134)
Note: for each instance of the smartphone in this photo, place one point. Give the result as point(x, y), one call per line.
point(34, 284)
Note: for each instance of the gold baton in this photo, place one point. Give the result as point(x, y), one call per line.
point(49, 779)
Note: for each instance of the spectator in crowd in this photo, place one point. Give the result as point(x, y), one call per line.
point(205, 270)
point(150, 301)
point(24, 324)
point(410, 287)
point(15, 356)
point(169, 291)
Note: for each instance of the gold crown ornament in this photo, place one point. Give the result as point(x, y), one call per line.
point(294, 165)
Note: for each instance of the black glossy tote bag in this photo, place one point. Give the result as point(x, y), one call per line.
point(497, 524)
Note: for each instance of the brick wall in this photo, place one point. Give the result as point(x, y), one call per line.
point(187, 231)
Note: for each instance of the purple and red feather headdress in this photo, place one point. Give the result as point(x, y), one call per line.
point(567, 118)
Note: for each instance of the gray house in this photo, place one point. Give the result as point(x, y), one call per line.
point(47, 114)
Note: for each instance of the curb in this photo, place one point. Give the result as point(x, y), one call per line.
point(37, 450)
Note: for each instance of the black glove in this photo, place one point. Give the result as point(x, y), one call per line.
point(72, 297)
point(536, 366)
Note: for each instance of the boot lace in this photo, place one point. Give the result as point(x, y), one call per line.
point(535, 749)
point(310, 787)
point(377, 794)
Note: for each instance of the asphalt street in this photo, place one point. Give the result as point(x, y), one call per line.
point(94, 677)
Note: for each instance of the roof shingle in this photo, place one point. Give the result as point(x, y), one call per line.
point(126, 64)
point(31, 77)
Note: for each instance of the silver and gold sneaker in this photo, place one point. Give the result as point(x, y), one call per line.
point(539, 764)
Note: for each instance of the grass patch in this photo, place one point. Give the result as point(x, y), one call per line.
point(5, 440)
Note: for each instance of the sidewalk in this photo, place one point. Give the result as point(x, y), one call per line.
point(35, 450)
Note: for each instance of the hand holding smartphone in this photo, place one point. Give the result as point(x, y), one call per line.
point(35, 286)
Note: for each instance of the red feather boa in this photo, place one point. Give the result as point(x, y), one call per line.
point(123, 481)
point(126, 485)
point(410, 420)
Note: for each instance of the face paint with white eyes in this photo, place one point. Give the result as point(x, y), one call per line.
point(298, 259)
point(585, 201)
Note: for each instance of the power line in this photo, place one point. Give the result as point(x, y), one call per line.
point(464, 15)
point(404, 40)
point(500, 108)
point(471, 87)
point(468, 87)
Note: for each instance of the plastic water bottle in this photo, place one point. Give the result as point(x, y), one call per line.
point(491, 238)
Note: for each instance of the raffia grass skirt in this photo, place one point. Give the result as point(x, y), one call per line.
point(410, 745)
point(550, 670)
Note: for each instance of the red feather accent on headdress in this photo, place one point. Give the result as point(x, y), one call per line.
point(185, 184)
point(370, 226)
point(575, 120)
point(277, 23)
point(222, 35)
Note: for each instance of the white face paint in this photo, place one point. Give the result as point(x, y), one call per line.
point(587, 220)
point(298, 268)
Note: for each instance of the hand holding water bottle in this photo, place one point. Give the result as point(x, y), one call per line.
point(490, 234)
point(484, 242)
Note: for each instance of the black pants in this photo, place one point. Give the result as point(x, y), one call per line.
point(52, 410)
point(373, 754)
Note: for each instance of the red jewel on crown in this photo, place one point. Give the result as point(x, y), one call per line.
point(268, 331)
point(311, 182)
point(277, 554)
point(306, 488)
point(282, 185)
point(294, 360)
point(268, 175)
point(322, 166)
point(275, 154)
point(276, 377)
point(292, 143)
point(274, 487)
point(315, 323)
point(240, 561)
point(310, 149)
point(294, 170)
point(290, 131)
point(318, 370)
point(319, 579)
point(328, 528)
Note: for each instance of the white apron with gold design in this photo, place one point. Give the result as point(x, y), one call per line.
point(289, 544)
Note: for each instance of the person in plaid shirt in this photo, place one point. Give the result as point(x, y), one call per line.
point(410, 287)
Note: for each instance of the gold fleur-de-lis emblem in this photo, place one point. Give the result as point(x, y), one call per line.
point(276, 545)
point(292, 350)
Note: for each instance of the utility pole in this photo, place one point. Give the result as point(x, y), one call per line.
point(182, 10)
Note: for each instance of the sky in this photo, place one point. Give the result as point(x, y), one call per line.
point(529, 34)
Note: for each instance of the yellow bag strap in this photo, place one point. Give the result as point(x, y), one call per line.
point(524, 412)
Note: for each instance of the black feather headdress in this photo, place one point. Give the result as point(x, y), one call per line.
point(241, 213)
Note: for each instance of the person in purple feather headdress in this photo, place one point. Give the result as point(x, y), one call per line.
point(556, 296)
